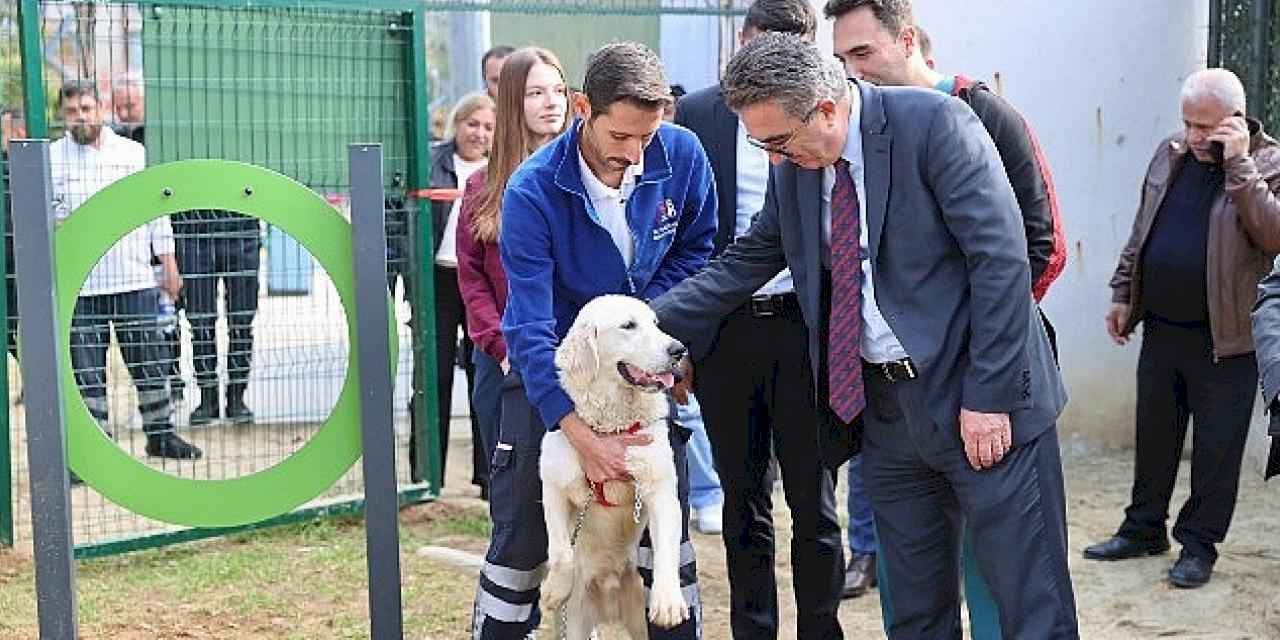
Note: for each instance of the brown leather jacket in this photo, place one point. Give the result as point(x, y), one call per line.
point(1244, 237)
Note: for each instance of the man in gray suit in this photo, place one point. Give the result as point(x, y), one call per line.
point(891, 209)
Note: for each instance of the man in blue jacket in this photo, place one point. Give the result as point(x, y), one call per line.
point(620, 203)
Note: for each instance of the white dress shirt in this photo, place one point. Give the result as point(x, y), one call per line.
point(611, 205)
point(879, 344)
point(79, 171)
point(753, 181)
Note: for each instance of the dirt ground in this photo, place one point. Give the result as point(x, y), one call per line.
point(1115, 601)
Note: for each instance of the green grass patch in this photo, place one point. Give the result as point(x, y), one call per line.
point(304, 580)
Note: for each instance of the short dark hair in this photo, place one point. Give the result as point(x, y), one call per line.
point(782, 16)
point(497, 51)
point(924, 42)
point(625, 71)
point(894, 15)
point(75, 89)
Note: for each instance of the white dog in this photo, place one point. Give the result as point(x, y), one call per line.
point(615, 365)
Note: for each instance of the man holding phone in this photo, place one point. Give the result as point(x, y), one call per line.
point(1207, 229)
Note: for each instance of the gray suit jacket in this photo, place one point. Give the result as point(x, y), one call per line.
point(948, 255)
point(1266, 337)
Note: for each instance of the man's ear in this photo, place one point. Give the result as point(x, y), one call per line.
point(578, 357)
point(581, 106)
point(909, 40)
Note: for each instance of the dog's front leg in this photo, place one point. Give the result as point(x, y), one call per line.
point(667, 607)
point(559, 514)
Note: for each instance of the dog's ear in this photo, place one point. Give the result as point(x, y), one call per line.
point(578, 356)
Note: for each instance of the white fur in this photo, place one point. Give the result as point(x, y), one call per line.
point(597, 577)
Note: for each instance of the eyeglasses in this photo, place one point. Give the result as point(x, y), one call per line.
point(778, 144)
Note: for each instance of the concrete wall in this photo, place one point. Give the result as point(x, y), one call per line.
point(690, 50)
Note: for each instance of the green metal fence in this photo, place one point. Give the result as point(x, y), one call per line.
point(287, 84)
point(283, 85)
point(1243, 37)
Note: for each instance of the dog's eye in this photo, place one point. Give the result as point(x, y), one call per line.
point(629, 325)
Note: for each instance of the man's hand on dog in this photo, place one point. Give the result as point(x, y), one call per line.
point(987, 437)
point(603, 457)
point(684, 386)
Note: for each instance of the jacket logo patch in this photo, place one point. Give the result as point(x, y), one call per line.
point(668, 220)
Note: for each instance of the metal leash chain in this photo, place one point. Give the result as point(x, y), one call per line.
point(577, 526)
point(573, 541)
point(635, 515)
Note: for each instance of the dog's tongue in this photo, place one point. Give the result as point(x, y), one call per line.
point(667, 379)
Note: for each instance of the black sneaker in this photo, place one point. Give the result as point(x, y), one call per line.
point(168, 445)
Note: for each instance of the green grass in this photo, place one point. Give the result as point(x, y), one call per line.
point(302, 581)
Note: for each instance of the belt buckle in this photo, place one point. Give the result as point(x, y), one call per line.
point(908, 370)
point(763, 307)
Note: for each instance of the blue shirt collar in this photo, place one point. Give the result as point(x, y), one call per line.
point(946, 85)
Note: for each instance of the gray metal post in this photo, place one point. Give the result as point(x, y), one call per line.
point(372, 348)
point(42, 380)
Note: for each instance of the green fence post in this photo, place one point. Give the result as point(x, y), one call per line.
point(425, 424)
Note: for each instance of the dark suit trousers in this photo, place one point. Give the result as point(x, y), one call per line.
point(1177, 380)
point(450, 319)
point(757, 396)
point(922, 490)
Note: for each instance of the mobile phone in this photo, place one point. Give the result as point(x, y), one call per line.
point(1216, 149)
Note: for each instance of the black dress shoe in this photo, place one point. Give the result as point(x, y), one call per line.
point(1121, 548)
point(860, 575)
point(168, 445)
point(237, 412)
point(204, 414)
point(1190, 572)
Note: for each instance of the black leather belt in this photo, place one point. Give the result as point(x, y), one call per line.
point(894, 371)
point(769, 306)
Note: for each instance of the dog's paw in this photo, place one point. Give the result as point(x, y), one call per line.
point(558, 585)
point(667, 607)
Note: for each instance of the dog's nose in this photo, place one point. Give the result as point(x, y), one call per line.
point(676, 350)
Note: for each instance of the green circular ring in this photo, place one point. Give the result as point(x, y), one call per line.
point(189, 185)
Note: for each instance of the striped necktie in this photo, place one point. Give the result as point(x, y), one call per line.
point(844, 331)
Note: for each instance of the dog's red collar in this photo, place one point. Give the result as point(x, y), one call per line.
point(597, 488)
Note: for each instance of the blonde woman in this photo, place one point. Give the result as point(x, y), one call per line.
point(464, 151)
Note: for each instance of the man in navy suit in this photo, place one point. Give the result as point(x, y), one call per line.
point(904, 241)
point(757, 393)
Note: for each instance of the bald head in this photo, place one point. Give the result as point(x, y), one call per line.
point(1218, 85)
